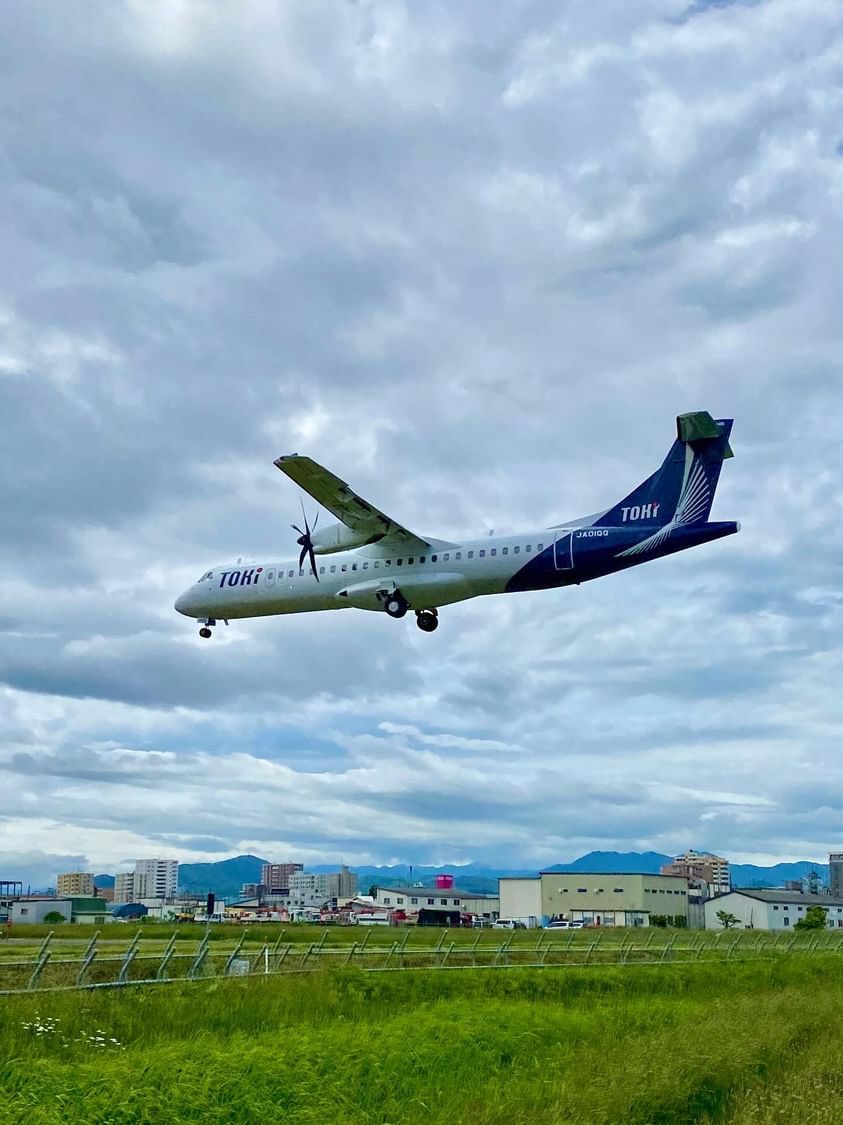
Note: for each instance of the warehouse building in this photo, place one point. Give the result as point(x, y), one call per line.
point(599, 900)
point(771, 910)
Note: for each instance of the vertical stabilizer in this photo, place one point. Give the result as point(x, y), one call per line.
point(682, 490)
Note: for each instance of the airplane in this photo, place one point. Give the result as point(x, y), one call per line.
point(368, 561)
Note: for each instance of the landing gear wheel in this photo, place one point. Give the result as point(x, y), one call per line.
point(427, 620)
point(205, 632)
point(396, 604)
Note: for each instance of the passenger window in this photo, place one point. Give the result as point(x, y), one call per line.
point(540, 547)
point(446, 557)
point(354, 566)
point(386, 562)
point(344, 567)
point(471, 554)
point(458, 555)
point(409, 562)
point(493, 551)
point(421, 558)
point(528, 548)
point(433, 558)
point(301, 574)
point(334, 569)
point(398, 562)
point(376, 565)
point(482, 553)
point(515, 550)
point(504, 550)
point(365, 566)
point(291, 573)
point(321, 570)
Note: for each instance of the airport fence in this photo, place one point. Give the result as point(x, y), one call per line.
point(99, 965)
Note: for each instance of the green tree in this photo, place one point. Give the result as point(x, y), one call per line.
point(54, 916)
point(815, 919)
point(727, 921)
point(659, 920)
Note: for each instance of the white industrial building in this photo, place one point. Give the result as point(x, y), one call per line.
point(771, 910)
point(609, 899)
point(446, 901)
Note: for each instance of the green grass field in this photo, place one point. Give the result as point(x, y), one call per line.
point(745, 1041)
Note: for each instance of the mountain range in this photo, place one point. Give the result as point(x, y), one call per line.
point(225, 877)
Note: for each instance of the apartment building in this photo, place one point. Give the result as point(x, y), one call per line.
point(151, 879)
point(276, 876)
point(693, 863)
point(78, 884)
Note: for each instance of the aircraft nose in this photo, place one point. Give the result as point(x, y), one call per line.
point(183, 603)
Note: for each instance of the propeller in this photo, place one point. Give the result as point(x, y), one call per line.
point(305, 541)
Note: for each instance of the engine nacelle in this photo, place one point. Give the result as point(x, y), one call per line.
point(338, 537)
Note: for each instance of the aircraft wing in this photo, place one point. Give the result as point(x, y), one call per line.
point(349, 508)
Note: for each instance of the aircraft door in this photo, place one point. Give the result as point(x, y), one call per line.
point(563, 550)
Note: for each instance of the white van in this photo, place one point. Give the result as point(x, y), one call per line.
point(508, 924)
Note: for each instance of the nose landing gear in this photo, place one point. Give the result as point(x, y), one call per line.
point(205, 631)
point(427, 620)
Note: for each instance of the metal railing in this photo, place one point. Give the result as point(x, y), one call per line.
point(99, 966)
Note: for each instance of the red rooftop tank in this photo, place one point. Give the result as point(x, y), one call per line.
point(444, 882)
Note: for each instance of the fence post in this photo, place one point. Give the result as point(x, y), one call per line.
point(350, 953)
point(233, 954)
point(476, 942)
point(448, 953)
point(87, 957)
point(165, 959)
point(389, 953)
point(199, 960)
point(42, 960)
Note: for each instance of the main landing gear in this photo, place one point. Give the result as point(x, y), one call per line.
point(205, 631)
point(396, 605)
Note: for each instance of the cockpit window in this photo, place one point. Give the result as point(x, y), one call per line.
point(206, 576)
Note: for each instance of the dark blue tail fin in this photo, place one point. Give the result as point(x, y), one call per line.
point(682, 490)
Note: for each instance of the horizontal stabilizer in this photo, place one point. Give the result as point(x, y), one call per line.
point(700, 426)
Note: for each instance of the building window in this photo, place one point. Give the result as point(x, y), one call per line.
point(414, 902)
point(581, 890)
point(387, 900)
point(618, 890)
point(775, 908)
point(786, 921)
point(431, 901)
point(443, 902)
point(400, 901)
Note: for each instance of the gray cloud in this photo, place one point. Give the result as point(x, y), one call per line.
point(474, 261)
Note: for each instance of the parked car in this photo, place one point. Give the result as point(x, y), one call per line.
point(508, 924)
point(561, 924)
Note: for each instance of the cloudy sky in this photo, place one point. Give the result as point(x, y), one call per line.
point(475, 258)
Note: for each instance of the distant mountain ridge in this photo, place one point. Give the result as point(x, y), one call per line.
point(226, 876)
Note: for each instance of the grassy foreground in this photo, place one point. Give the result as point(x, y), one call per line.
point(730, 1042)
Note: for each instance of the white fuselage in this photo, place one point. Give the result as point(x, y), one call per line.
point(353, 578)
